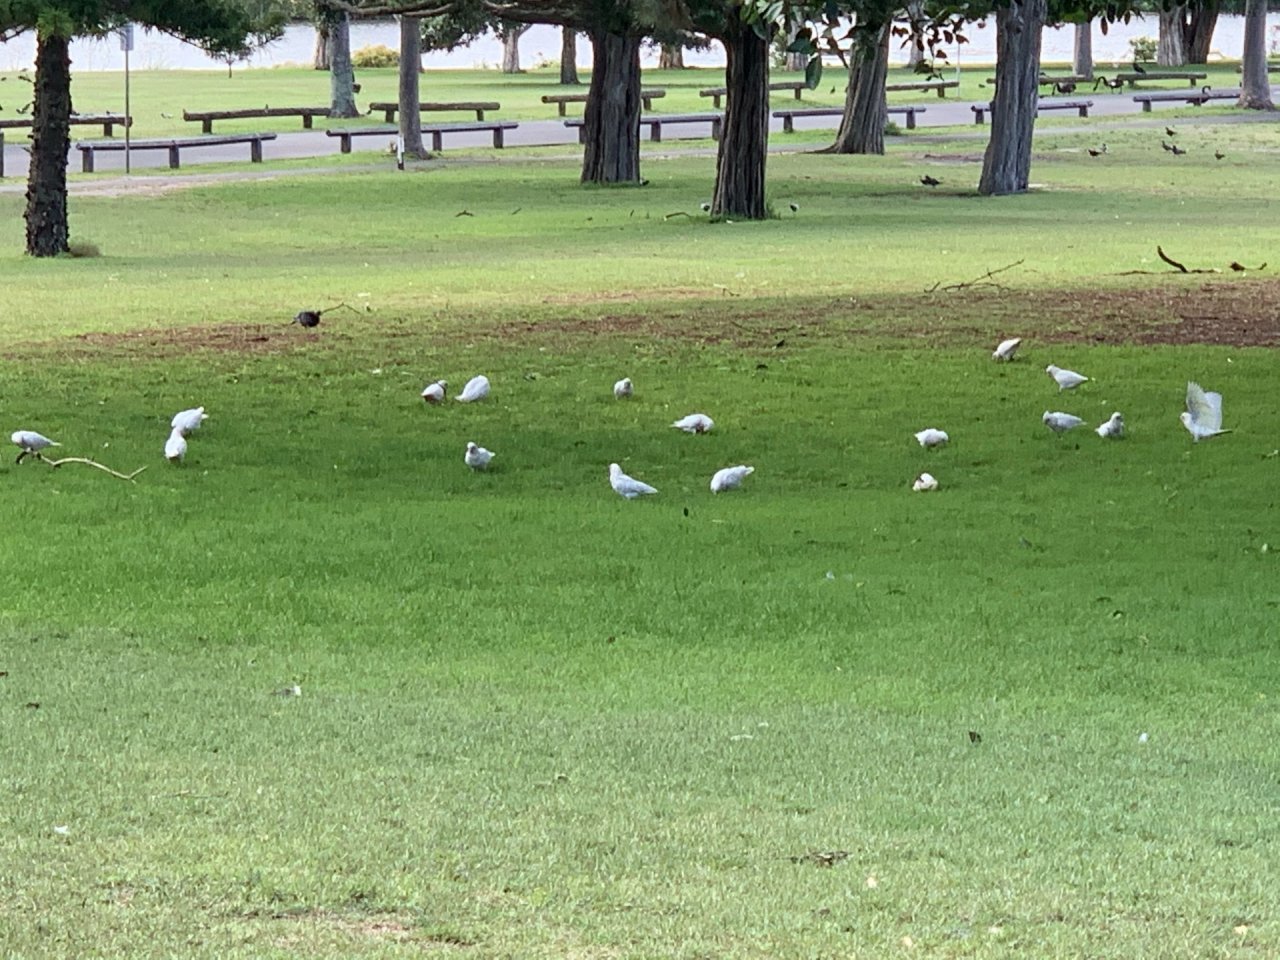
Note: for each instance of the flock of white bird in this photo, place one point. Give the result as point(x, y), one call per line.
point(1202, 419)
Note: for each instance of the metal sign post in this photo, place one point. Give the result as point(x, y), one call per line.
point(126, 44)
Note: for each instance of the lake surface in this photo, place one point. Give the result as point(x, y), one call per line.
point(156, 51)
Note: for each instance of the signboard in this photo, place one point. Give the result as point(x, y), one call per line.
point(126, 37)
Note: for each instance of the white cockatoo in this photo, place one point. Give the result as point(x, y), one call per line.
point(188, 420)
point(623, 388)
point(477, 388)
point(477, 458)
point(1113, 428)
point(31, 443)
point(627, 487)
point(1203, 416)
point(1060, 422)
point(434, 392)
point(924, 483)
point(1005, 349)
point(1065, 379)
point(730, 478)
point(931, 438)
point(175, 448)
point(695, 423)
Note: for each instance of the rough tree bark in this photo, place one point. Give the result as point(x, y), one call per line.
point(342, 75)
point(611, 123)
point(671, 57)
point(915, 42)
point(50, 141)
point(1172, 49)
point(320, 52)
point(865, 109)
point(1255, 88)
point(510, 36)
point(410, 67)
point(1006, 166)
point(569, 57)
point(744, 139)
point(1082, 58)
point(1200, 27)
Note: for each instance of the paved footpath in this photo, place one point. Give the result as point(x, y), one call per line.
point(314, 143)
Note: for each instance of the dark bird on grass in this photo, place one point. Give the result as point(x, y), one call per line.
point(1176, 150)
point(1064, 86)
point(1166, 146)
point(311, 318)
point(1115, 84)
point(929, 181)
point(705, 207)
point(1098, 152)
point(1170, 132)
point(1218, 154)
point(794, 207)
point(1138, 68)
point(1237, 266)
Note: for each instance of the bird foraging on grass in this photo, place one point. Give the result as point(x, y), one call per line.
point(477, 458)
point(1113, 429)
point(925, 483)
point(1065, 379)
point(175, 448)
point(1097, 152)
point(186, 421)
point(730, 478)
point(1005, 349)
point(477, 388)
point(695, 423)
point(1060, 422)
point(31, 443)
point(627, 487)
point(434, 392)
point(932, 437)
point(623, 388)
point(929, 181)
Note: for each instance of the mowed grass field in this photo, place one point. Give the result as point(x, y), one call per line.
point(1032, 714)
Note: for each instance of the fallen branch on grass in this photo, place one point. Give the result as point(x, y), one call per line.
point(1183, 268)
point(92, 463)
point(984, 280)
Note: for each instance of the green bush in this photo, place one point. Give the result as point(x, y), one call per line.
point(1144, 48)
point(376, 55)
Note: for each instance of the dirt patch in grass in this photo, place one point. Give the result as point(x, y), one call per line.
point(1228, 311)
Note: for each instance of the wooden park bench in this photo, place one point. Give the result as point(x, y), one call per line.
point(655, 123)
point(941, 86)
point(1195, 98)
point(108, 121)
point(437, 131)
point(715, 93)
point(206, 117)
point(788, 116)
point(1081, 107)
point(390, 110)
point(1132, 78)
point(647, 96)
point(88, 148)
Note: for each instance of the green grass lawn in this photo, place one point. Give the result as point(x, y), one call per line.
point(1030, 715)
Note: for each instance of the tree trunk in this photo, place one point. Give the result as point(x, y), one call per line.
point(511, 47)
point(865, 116)
point(611, 124)
point(1255, 88)
point(50, 141)
point(410, 68)
point(915, 41)
point(342, 76)
point(1199, 33)
point(1082, 60)
point(744, 139)
point(671, 57)
point(1172, 51)
point(320, 53)
point(569, 57)
point(1006, 166)
point(794, 62)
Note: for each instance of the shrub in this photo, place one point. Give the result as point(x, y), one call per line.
point(1144, 48)
point(375, 55)
point(83, 248)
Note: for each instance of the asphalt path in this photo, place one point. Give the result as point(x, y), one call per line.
point(315, 144)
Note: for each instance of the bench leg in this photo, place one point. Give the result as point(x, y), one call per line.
point(255, 151)
point(306, 121)
point(715, 128)
point(797, 92)
point(1083, 111)
point(715, 102)
point(479, 116)
point(942, 93)
point(173, 156)
point(1146, 106)
point(437, 141)
point(86, 160)
point(911, 119)
point(978, 118)
point(389, 116)
point(648, 102)
point(497, 138)
point(344, 143)
point(582, 133)
point(561, 106)
point(107, 128)
point(655, 132)
point(788, 124)
point(206, 126)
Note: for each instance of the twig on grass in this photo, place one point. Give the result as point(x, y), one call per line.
point(1181, 267)
point(1169, 260)
point(92, 463)
point(984, 280)
point(678, 213)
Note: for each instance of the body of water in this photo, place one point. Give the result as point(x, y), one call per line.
point(156, 51)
